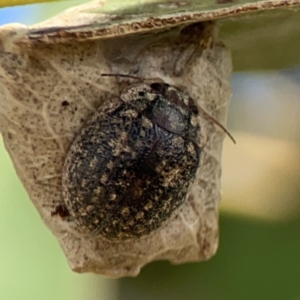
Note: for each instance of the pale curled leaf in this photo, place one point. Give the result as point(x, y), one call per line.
point(102, 19)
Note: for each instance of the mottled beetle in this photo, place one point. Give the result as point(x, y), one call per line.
point(132, 163)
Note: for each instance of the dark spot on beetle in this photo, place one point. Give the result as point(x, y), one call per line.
point(159, 87)
point(65, 103)
point(194, 109)
point(173, 96)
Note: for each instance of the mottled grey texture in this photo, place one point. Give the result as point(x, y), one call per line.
point(132, 163)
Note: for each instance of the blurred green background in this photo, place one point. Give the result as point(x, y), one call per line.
point(258, 257)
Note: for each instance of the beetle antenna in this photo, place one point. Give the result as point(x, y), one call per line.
point(220, 125)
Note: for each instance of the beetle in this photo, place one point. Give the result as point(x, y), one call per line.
point(131, 165)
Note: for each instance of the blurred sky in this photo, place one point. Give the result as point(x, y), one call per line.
point(33, 13)
point(20, 14)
